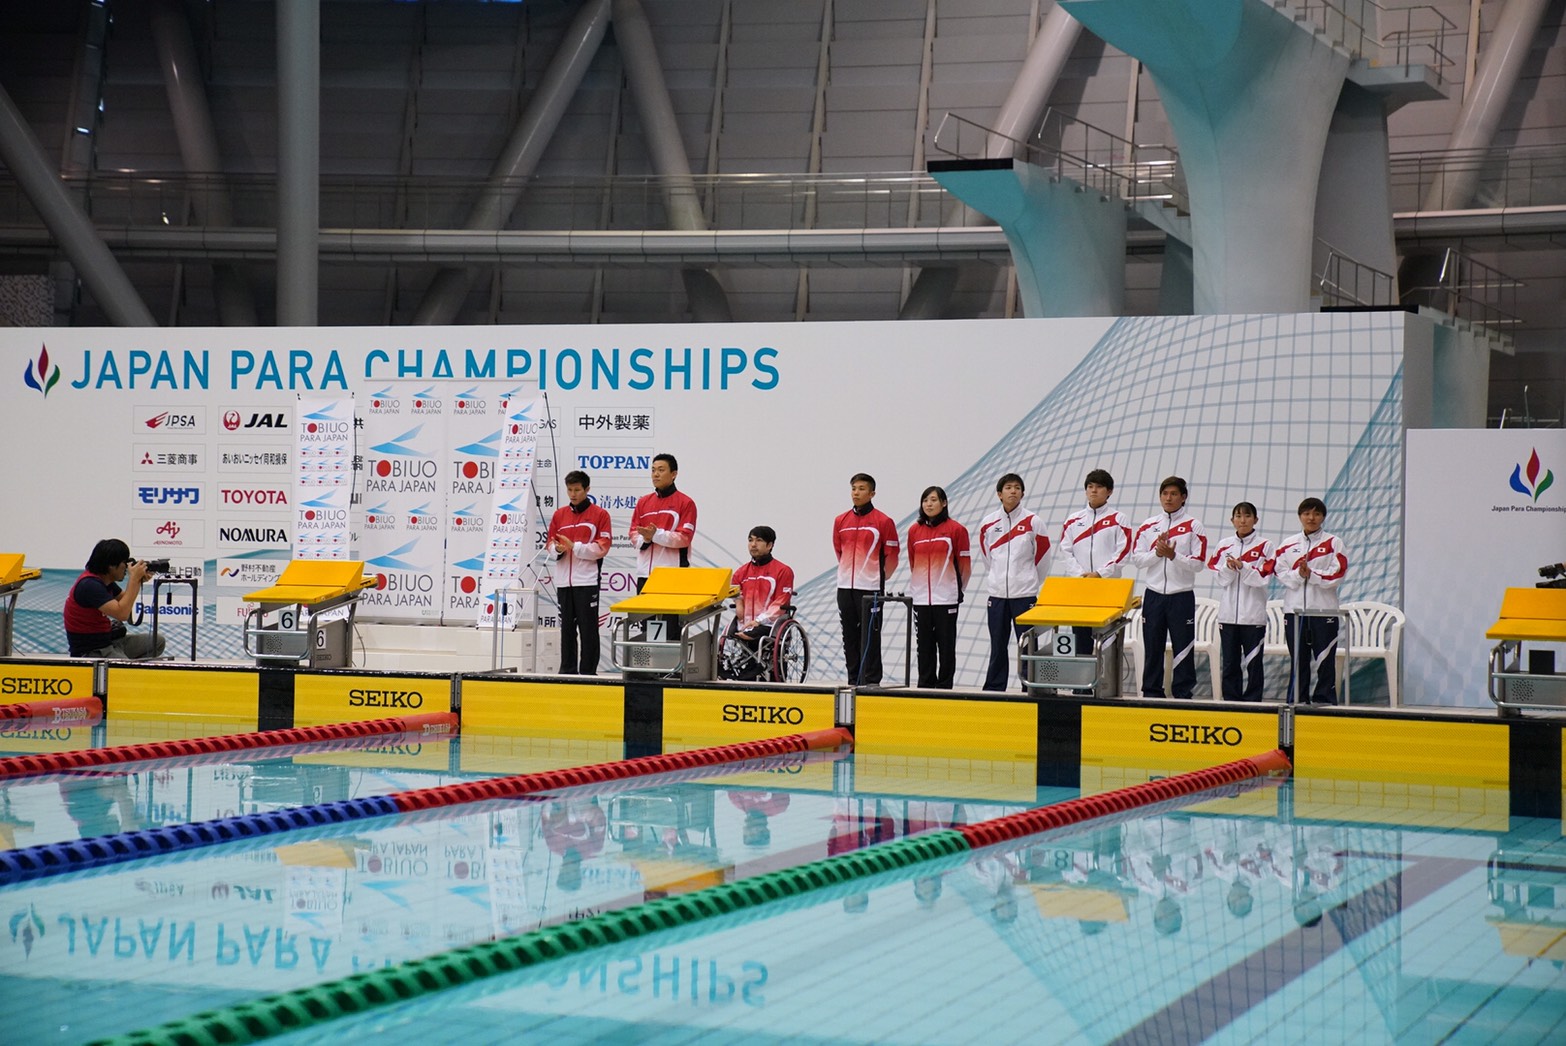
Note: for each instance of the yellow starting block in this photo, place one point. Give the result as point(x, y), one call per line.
point(670, 627)
point(13, 575)
point(1528, 615)
point(307, 617)
point(1065, 603)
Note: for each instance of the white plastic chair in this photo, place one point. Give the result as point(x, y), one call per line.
point(1375, 631)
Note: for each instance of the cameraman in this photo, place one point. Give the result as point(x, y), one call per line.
point(97, 608)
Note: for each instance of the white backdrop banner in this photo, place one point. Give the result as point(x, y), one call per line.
point(768, 422)
point(1485, 509)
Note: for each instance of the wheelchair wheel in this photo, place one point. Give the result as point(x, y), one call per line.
point(790, 653)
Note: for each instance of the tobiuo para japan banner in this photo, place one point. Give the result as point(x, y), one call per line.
point(475, 416)
point(402, 540)
point(323, 477)
point(512, 541)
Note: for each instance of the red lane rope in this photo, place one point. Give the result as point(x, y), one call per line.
point(597, 773)
point(1075, 811)
point(425, 724)
point(75, 711)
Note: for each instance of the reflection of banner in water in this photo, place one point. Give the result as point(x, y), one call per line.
point(511, 542)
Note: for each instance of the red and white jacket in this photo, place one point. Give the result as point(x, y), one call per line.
point(674, 515)
point(1016, 551)
point(766, 586)
point(1242, 592)
point(939, 563)
point(590, 533)
point(1328, 561)
point(1095, 540)
point(865, 544)
point(1169, 576)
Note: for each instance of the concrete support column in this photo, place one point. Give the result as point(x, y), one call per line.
point(1354, 194)
point(298, 162)
point(1068, 243)
point(67, 223)
point(198, 150)
point(545, 108)
point(1499, 67)
point(1028, 98)
point(1250, 94)
point(666, 147)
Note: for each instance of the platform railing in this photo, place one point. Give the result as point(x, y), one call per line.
point(1090, 156)
point(1416, 34)
point(1467, 289)
point(1520, 176)
point(1345, 281)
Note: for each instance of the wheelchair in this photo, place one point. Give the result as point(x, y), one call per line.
point(780, 656)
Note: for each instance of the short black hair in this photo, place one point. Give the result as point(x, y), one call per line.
point(1010, 477)
point(668, 459)
point(110, 552)
point(1245, 506)
point(1177, 483)
point(1100, 477)
point(578, 478)
point(765, 533)
point(862, 477)
point(1311, 503)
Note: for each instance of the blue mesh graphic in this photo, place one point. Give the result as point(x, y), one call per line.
point(1266, 409)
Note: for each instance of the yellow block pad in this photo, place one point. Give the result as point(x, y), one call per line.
point(1457, 754)
point(311, 581)
point(147, 692)
point(991, 730)
point(1531, 613)
point(1170, 739)
point(696, 718)
point(350, 698)
point(569, 711)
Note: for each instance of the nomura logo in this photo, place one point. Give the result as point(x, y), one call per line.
point(1529, 484)
point(42, 378)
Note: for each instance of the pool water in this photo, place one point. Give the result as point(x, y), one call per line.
point(1222, 919)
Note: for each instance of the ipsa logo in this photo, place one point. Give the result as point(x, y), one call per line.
point(1530, 485)
point(43, 379)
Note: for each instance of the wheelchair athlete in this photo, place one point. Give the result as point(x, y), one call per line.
point(766, 589)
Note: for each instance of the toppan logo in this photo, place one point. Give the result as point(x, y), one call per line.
point(1192, 734)
point(43, 379)
point(763, 714)
point(1531, 485)
point(358, 698)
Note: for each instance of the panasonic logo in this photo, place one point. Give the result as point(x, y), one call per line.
point(1187, 734)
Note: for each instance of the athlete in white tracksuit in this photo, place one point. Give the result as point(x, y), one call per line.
point(1243, 563)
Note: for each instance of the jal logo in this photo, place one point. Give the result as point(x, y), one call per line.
point(38, 375)
point(1529, 484)
point(233, 420)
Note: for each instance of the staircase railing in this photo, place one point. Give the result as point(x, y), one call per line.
point(1346, 282)
point(1467, 289)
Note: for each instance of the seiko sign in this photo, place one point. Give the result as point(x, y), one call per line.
point(763, 714)
point(37, 687)
point(358, 698)
point(1191, 734)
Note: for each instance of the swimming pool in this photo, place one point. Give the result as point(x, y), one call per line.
point(1227, 919)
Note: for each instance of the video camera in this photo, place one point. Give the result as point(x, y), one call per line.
point(1556, 573)
point(156, 566)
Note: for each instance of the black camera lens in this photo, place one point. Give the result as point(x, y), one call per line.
point(1551, 570)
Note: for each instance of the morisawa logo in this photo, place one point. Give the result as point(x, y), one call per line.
point(43, 379)
point(1530, 484)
